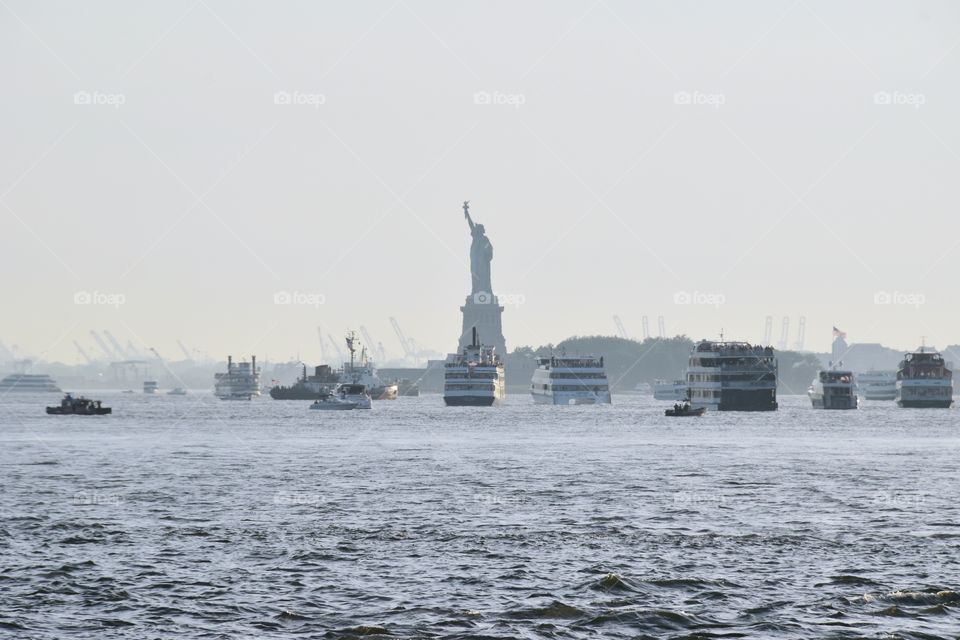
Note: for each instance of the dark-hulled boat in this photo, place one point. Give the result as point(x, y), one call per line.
point(684, 411)
point(81, 406)
point(315, 387)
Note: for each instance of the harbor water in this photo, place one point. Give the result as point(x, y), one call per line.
point(190, 517)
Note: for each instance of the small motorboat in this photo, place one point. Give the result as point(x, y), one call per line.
point(333, 403)
point(81, 406)
point(684, 411)
point(178, 391)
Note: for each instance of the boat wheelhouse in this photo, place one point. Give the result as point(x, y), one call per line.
point(732, 376)
point(474, 377)
point(924, 381)
point(570, 380)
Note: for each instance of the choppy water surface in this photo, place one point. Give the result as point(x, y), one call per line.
point(191, 517)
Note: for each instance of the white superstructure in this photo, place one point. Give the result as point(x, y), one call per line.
point(570, 380)
point(877, 385)
point(241, 381)
point(670, 389)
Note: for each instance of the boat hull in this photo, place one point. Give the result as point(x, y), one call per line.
point(59, 411)
point(566, 399)
point(924, 404)
point(689, 413)
point(835, 404)
point(470, 401)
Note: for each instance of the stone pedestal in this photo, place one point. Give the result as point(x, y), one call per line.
point(483, 311)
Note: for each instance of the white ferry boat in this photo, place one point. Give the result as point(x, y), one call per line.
point(833, 389)
point(877, 385)
point(474, 377)
point(732, 376)
point(241, 381)
point(670, 389)
point(570, 380)
point(150, 387)
point(28, 383)
point(362, 371)
point(924, 381)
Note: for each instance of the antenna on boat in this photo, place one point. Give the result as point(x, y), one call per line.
point(721, 334)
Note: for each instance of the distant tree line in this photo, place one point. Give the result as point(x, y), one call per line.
point(631, 362)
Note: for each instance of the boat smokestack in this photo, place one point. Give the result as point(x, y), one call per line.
point(253, 363)
point(229, 363)
point(475, 343)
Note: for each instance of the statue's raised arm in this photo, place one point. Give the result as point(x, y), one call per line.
point(466, 213)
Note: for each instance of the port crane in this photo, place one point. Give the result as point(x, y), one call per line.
point(104, 348)
point(646, 327)
point(83, 353)
point(662, 325)
point(620, 328)
point(768, 330)
point(784, 333)
point(801, 333)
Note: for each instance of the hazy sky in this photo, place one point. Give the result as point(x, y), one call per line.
point(775, 158)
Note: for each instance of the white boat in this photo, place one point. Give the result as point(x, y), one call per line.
point(28, 383)
point(833, 389)
point(150, 387)
point(924, 381)
point(177, 391)
point(670, 389)
point(570, 380)
point(732, 376)
point(333, 403)
point(877, 385)
point(354, 393)
point(474, 377)
point(241, 381)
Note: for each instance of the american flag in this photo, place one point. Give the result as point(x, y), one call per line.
point(839, 334)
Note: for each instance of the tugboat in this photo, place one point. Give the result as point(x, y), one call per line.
point(924, 381)
point(833, 389)
point(81, 406)
point(315, 387)
point(474, 377)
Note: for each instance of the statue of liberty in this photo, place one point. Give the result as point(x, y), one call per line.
point(481, 254)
